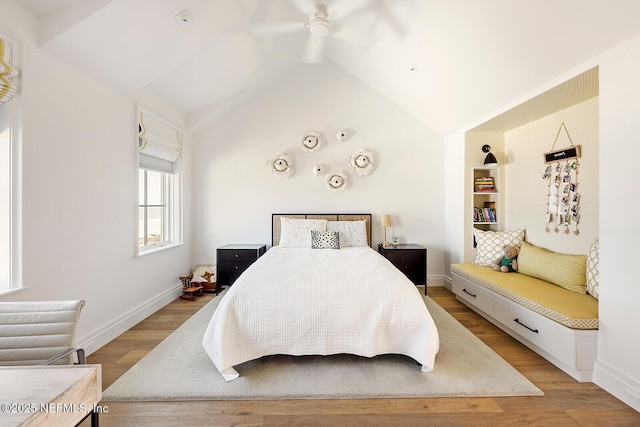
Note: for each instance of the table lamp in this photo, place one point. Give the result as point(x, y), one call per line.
point(385, 221)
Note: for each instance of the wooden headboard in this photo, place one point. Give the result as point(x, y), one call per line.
point(275, 222)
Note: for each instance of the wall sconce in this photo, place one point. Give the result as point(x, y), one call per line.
point(385, 221)
point(490, 160)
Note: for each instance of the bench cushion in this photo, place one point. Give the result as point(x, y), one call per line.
point(568, 308)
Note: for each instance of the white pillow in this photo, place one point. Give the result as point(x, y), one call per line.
point(352, 233)
point(296, 233)
point(490, 244)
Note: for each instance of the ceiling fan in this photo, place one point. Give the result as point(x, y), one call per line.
point(323, 21)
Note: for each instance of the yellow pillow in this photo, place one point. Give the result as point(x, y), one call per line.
point(564, 270)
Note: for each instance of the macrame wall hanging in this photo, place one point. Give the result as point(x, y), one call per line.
point(563, 196)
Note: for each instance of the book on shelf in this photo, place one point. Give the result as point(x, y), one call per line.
point(484, 184)
point(484, 214)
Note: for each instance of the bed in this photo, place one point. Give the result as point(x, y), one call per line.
point(298, 300)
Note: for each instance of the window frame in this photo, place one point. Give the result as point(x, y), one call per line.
point(15, 109)
point(165, 203)
point(173, 205)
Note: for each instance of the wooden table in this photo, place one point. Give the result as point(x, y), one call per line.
point(57, 395)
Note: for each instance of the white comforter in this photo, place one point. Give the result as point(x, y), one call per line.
point(300, 301)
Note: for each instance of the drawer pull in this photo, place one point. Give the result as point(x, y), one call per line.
point(237, 255)
point(469, 293)
point(522, 324)
point(236, 267)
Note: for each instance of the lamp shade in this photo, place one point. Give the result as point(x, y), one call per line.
point(385, 221)
point(490, 160)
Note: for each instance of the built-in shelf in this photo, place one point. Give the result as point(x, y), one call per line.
point(485, 205)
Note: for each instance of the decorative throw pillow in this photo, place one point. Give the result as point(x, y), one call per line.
point(565, 270)
point(204, 273)
point(325, 240)
point(490, 244)
point(352, 233)
point(593, 270)
point(295, 233)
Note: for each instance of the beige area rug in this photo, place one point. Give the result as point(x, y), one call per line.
point(179, 369)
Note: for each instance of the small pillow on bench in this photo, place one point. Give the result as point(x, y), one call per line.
point(490, 244)
point(564, 270)
point(593, 270)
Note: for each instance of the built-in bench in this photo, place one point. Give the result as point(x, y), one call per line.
point(558, 324)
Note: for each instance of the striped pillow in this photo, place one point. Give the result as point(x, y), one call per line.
point(564, 270)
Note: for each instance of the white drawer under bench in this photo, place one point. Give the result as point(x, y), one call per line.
point(572, 350)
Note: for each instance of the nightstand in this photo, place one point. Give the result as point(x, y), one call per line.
point(232, 260)
point(410, 259)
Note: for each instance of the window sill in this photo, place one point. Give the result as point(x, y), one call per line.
point(153, 249)
point(12, 291)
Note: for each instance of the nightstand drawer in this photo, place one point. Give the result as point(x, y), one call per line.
point(233, 255)
point(403, 256)
point(226, 266)
point(228, 272)
point(415, 272)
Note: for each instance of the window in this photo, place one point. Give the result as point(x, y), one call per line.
point(154, 208)
point(10, 136)
point(5, 198)
point(159, 184)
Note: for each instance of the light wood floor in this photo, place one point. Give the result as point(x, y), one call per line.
point(566, 401)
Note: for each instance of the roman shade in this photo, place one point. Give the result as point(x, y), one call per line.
point(159, 143)
point(7, 72)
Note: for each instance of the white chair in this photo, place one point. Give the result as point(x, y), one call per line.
point(39, 333)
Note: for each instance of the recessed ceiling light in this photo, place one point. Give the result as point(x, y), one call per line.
point(184, 17)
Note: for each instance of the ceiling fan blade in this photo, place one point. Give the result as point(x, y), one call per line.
point(269, 30)
point(350, 35)
point(306, 7)
point(343, 8)
point(313, 50)
point(260, 12)
point(388, 15)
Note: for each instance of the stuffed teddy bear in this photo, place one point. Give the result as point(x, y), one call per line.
point(508, 262)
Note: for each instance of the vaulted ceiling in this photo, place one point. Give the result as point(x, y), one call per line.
point(447, 62)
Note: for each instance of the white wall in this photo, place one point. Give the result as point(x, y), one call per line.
point(235, 193)
point(617, 367)
point(455, 184)
point(78, 200)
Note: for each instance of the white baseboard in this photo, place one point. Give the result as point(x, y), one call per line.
point(448, 283)
point(101, 336)
point(435, 280)
point(617, 384)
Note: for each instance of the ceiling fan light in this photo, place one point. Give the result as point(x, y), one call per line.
point(319, 27)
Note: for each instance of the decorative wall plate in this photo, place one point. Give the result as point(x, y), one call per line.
point(281, 164)
point(342, 135)
point(336, 181)
point(318, 170)
point(362, 162)
point(310, 141)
